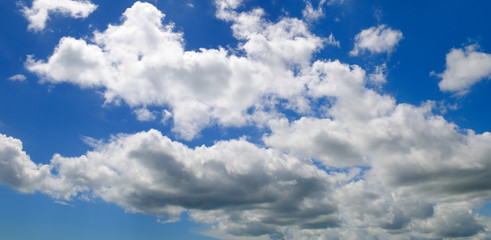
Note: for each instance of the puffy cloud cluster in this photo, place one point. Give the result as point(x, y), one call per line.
point(380, 39)
point(144, 64)
point(464, 68)
point(355, 165)
point(38, 13)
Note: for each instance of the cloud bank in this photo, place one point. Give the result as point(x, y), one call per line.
point(355, 164)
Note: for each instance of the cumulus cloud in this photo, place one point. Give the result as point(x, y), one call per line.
point(245, 189)
point(17, 78)
point(380, 39)
point(39, 12)
point(144, 63)
point(464, 68)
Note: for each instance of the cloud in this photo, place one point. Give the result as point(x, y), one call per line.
point(453, 220)
point(17, 78)
point(311, 14)
point(332, 41)
point(38, 13)
point(378, 77)
point(16, 168)
point(143, 114)
point(197, 87)
point(380, 39)
point(245, 189)
point(464, 68)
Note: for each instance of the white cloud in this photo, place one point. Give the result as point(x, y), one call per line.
point(16, 168)
point(17, 78)
point(311, 14)
point(39, 12)
point(332, 41)
point(380, 39)
point(144, 63)
point(379, 76)
point(143, 114)
point(464, 68)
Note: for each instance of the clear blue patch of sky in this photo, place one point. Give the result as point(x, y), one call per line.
point(37, 216)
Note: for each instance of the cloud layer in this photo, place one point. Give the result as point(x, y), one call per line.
point(354, 164)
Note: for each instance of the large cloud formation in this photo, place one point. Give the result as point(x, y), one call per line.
point(354, 165)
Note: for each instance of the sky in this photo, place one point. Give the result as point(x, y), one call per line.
point(245, 119)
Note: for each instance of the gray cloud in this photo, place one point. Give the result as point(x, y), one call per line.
point(257, 189)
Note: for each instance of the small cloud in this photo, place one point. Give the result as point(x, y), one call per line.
point(378, 14)
point(464, 68)
point(17, 78)
point(332, 41)
point(169, 220)
point(38, 13)
point(334, 2)
point(310, 13)
point(190, 5)
point(92, 142)
point(64, 203)
point(379, 76)
point(144, 114)
point(166, 115)
point(381, 39)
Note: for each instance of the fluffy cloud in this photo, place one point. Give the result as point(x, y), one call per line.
point(38, 13)
point(144, 114)
point(245, 189)
point(464, 68)
point(144, 63)
point(16, 168)
point(380, 39)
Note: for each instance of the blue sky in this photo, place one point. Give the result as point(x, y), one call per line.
point(244, 119)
